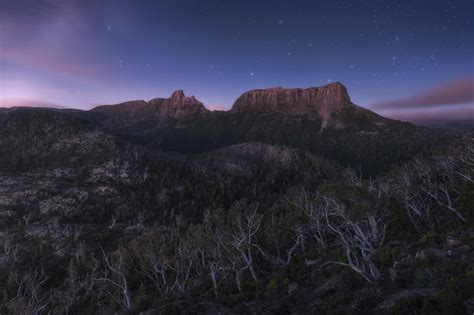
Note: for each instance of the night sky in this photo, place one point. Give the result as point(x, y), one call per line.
point(406, 59)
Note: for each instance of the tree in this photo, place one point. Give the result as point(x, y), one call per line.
point(31, 297)
point(358, 237)
point(115, 276)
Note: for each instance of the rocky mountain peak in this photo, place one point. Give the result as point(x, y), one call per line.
point(178, 95)
point(177, 106)
point(322, 101)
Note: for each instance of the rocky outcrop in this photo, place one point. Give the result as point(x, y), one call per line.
point(323, 101)
point(330, 103)
point(178, 106)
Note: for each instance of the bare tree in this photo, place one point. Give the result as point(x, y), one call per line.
point(416, 205)
point(78, 287)
point(352, 177)
point(209, 239)
point(31, 298)
point(359, 238)
point(465, 163)
point(440, 192)
point(244, 241)
point(155, 267)
point(11, 249)
point(168, 261)
point(298, 242)
point(183, 260)
point(115, 275)
point(112, 223)
point(314, 227)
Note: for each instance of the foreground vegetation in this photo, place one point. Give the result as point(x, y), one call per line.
point(92, 222)
point(399, 243)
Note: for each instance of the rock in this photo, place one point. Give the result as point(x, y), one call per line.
point(323, 100)
point(292, 287)
point(329, 285)
point(396, 298)
point(451, 242)
point(178, 106)
point(430, 253)
point(402, 270)
point(327, 103)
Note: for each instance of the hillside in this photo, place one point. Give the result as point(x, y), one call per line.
point(321, 120)
point(165, 207)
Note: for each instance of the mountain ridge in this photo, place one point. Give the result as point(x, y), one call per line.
point(330, 104)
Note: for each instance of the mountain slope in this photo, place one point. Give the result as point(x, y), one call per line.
point(330, 103)
point(321, 120)
point(34, 137)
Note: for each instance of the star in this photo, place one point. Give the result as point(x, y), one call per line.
point(252, 74)
point(109, 28)
point(397, 38)
point(280, 22)
point(289, 53)
point(310, 44)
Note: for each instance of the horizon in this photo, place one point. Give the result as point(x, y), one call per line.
point(416, 115)
point(388, 55)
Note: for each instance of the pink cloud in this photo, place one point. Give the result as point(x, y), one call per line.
point(434, 115)
point(455, 92)
point(21, 102)
point(51, 63)
point(45, 37)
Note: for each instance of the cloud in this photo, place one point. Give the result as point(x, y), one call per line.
point(452, 93)
point(48, 36)
point(21, 102)
point(464, 114)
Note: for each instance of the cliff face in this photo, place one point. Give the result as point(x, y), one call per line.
point(178, 106)
point(330, 104)
point(322, 101)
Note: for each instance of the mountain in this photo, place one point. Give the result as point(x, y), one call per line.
point(176, 107)
point(329, 103)
point(322, 120)
point(319, 120)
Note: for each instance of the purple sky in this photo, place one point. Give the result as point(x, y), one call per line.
point(404, 59)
